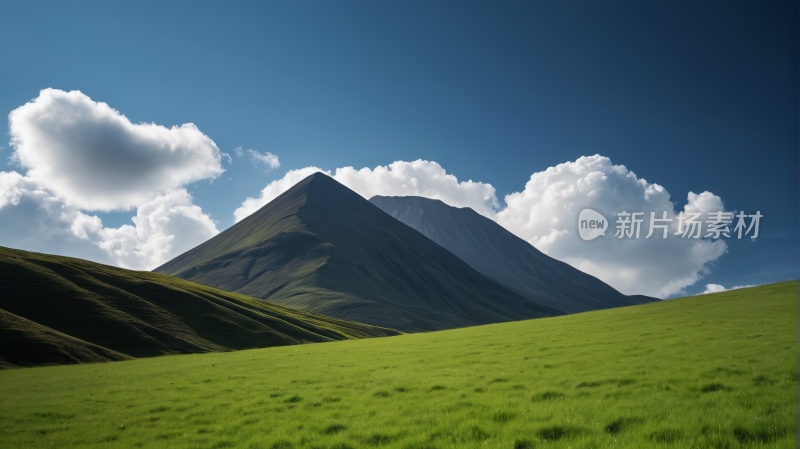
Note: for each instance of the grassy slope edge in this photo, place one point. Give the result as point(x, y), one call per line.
point(57, 309)
point(712, 371)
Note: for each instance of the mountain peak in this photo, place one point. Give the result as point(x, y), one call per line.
point(318, 178)
point(322, 247)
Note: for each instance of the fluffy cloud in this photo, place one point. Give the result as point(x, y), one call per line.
point(84, 156)
point(30, 214)
point(418, 178)
point(34, 219)
point(545, 212)
point(268, 159)
point(163, 228)
point(713, 288)
point(96, 159)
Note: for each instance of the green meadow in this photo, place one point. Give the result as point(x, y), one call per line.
point(712, 371)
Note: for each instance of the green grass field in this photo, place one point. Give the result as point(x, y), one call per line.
point(712, 371)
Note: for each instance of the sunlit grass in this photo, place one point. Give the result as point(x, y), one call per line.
point(713, 371)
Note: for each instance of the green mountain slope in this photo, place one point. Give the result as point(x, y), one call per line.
point(25, 343)
point(322, 247)
point(61, 310)
point(707, 372)
point(495, 252)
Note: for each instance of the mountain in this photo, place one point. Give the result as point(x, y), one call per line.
point(322, 247)
point(62, 310)
point(497, 253)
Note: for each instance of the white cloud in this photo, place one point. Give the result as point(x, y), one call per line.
point(96, 159)
point(226, 156)
point(84, 225)
point(238, 152)
point(716, 288)
point(706, 201)
point(713, 288)
point(268, 158)
point(418, 178)
point(163, 228)
point(83, 156)
point(33, 219)
point(544, 214)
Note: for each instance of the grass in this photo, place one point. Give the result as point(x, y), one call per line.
point(57, 309)
point(712, 371)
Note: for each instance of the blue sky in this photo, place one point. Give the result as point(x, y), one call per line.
point(691, 97)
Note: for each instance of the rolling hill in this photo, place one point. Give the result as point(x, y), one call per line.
point(322, 247)
point(57, 309)
point(711, 371)
point(495, 252)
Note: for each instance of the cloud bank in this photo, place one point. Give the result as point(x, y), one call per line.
point(165, 227)
point(418, 178)
point(84, 156)
point(96, 159)
point(544, 213)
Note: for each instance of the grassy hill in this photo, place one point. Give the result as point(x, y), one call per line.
point(63, 310)
point(322, 247)
point(712, 371)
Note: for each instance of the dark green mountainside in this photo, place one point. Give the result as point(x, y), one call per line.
point(62, 310)
point(495, 252)
point(322, 247)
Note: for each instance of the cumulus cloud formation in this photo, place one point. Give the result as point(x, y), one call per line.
point(34, 219)
point(96, 159)
point(544, 214)
point(268, 159)
point(418, 178)
point(165, 227)
point(84, 156)
point(30, 216)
